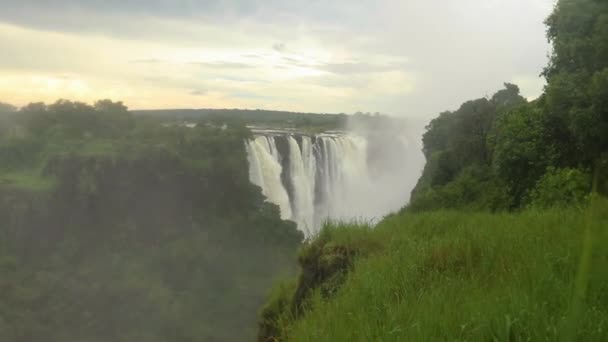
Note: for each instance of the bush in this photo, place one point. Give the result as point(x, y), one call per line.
point(475, 188)
point(560, 188)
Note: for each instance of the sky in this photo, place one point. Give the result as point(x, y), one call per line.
point(409, 58)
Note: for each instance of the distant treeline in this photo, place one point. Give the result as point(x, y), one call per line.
point(254, 117)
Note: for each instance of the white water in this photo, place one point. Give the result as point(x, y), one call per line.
point(265, 171)
point(333, 176)
point(302, 166)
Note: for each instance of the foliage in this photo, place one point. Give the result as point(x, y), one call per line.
point(67, 119)
point(259, 117)
point(6, 108)
point(474, 189)
point(534, 274)
point(459, 148)
point(524, 148)
point(6, 116)
point(577, 74)
point(561, 187)
point(567, 127)
point(117, 228)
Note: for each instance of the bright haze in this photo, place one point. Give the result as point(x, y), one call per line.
point(400, 57)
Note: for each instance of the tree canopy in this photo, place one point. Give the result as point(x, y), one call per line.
point(117, 228)
point(513, 144)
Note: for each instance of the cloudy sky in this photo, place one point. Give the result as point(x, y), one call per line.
point(402, 57)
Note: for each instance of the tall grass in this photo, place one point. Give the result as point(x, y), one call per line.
point(581, 283)
point(471, 277)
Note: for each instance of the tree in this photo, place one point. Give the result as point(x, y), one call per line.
point(523, 149)
point(7, 112)
point(7, 108)
point(577, 75)
point(565, 129)
point(465, 140)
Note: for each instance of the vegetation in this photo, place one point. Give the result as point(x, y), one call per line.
point(491, 153)
point(504, 238)
point(261, 118)
point(448, 275)
point(121, 226)
point(116, 228)
point(325, 262)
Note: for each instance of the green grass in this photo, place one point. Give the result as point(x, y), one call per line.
point(31, 180)
point(468, 277)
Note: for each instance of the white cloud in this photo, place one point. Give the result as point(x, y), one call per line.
point(406, 57)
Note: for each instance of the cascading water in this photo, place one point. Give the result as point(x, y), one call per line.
point(265, 171)
point(302, 166)
point(330, 176)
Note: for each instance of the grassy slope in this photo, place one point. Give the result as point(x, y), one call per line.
point(464, 276)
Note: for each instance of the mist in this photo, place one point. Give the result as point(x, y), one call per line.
point(361, 173)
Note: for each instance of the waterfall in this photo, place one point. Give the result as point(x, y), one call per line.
point(302, 167)
point(265, 171)
point(330, 176)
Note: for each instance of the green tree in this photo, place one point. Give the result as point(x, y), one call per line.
point(523, 148)
point(7, 113)
point(577, 75)
point(140, 231)
point(464, 139)
point(560, 187)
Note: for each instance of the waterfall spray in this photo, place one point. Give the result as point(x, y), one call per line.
point(330, 176)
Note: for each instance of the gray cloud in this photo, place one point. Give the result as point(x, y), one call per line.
point(199, 92)
point(91, 15)
point(223, 65)
point(210, 65)
point(279, 47)
point(345, 68)
point(456, 49)
point(361, 68)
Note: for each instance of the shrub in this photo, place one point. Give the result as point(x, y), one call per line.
point(475, 188)
point(560, 188)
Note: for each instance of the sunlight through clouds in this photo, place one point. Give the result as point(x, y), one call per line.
point(330, 57)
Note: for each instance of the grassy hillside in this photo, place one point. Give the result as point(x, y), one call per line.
point(451, 275)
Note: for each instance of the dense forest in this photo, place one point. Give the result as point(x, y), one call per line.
point(120, 228)
point(505, 236)
point(139, 226)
